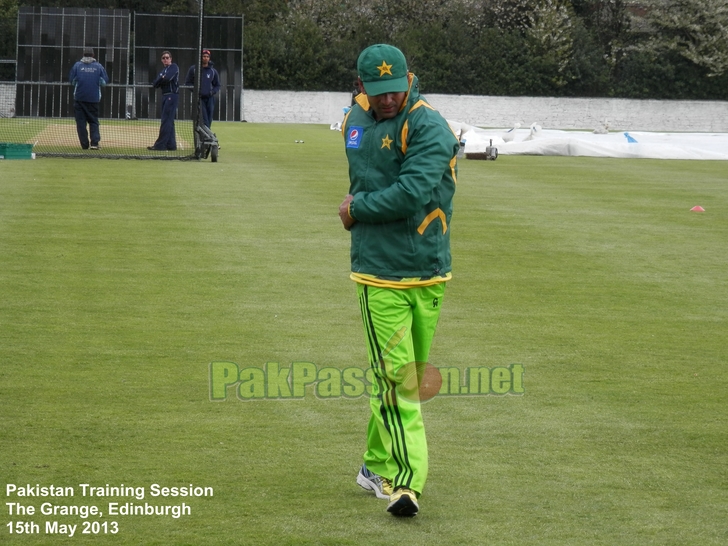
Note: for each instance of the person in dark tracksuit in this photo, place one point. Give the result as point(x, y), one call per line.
point(209, 86)
point(88, 76)
point(168, 82)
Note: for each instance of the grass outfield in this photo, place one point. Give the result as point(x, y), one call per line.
point(121, 281)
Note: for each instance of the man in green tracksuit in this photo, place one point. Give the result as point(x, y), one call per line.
point(402, 171)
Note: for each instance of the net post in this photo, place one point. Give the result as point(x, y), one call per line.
point(196, 113)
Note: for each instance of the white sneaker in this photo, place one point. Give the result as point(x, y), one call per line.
point(370, 481)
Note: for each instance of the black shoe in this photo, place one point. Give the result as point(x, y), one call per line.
point(151, 148)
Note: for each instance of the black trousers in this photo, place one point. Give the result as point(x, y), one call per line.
point(87, 113)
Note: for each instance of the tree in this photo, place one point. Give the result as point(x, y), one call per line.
point(8, 29)
point(695, 29)
point(608, 25)
point(550, 33)
point(547, 27)
point(255, 11)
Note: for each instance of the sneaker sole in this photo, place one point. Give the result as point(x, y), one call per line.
point(363, 482)
point(403, 507)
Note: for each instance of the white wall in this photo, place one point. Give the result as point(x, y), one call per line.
point(7, 99)
point(550, 113)
point(294, 106)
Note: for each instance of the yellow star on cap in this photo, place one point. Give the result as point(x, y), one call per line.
point(386, 141)
point(385, 69)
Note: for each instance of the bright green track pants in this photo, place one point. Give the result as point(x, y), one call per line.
point(399, 326)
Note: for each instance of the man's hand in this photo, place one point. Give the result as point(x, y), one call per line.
point(347, 220)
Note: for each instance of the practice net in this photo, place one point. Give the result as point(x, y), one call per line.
point(57, 137)
point(37, 108)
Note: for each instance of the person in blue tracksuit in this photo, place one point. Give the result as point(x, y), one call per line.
point(168, 82)
point(209, 86)
point(88, 76)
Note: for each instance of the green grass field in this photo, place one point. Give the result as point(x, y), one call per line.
point(121, 281)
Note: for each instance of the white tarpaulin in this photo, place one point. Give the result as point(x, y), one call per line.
point(626, 144)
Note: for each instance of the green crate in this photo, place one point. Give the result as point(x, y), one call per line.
point(16, 151)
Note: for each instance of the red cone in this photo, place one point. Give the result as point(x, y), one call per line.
point(697, 208)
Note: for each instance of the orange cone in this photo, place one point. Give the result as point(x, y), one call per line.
point(697, 208)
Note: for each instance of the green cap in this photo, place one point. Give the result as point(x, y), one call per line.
point(383, 69)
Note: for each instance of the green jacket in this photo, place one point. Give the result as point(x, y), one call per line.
point(403, 173)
